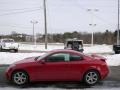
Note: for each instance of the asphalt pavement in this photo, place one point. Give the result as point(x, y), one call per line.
point(112, 81)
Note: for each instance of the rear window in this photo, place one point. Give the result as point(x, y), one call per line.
point(75, 58)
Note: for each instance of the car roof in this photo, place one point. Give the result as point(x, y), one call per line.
point(65, 50)
point(74, 40)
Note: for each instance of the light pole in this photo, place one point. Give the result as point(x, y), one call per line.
point(34, 36)
point(45, 23)
point(118, 42)
point(92, 37)
point(92, 24)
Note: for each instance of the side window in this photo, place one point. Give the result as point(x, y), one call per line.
point(74, 57)
point(59, 57)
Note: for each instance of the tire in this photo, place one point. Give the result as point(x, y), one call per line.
point(91, 77)
point(116, 52)
point(13, 50)
point(20, 78)
point(0, 48)
point(16, 50)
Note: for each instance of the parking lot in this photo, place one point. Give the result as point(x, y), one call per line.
point(112, 81)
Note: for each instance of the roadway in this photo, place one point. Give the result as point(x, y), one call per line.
point(112, 81)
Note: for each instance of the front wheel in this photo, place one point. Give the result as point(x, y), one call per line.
point(20, 78)
point(91, 77)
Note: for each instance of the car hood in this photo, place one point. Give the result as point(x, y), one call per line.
point(11, 43)
point(26, 60)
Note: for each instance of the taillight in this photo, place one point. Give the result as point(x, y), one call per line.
point(102, 60)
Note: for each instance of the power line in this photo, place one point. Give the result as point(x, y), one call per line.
point(16, 26)
point(18, 9)
point(101, 19)
point(98, 17)
point(24, 11)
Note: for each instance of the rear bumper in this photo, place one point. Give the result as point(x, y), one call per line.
point(104, 73)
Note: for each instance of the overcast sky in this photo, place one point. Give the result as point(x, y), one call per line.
point(62, 15)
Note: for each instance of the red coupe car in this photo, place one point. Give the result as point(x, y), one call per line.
point(59, 65)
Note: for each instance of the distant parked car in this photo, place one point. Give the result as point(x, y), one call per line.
point(74, 44)
point(9, 45)
point(59, 65)
point(116, 49)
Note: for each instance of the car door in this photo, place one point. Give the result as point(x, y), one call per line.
point(54, 68)
point(75, 67)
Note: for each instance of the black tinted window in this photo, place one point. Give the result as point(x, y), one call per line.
point(60, 57)
point(75, 58)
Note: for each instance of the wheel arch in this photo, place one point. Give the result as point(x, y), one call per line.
point(92, 69)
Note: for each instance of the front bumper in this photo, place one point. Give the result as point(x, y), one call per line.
point(8, 73)
point(9, 48)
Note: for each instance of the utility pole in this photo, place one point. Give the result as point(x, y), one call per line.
point(34, 36)
point(118, 42)
point(45, 24)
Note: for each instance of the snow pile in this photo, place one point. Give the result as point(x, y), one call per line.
point(113, 60)
point(87, 49)
point(98, 49)
point(9, 58)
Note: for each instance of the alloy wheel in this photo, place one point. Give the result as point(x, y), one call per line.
point(20, 78)
point(91, 77)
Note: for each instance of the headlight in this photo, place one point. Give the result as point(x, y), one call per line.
point(11, 66)
point(9, 69)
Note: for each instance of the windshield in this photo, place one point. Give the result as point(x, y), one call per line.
point(8, 40)
point(42, 56)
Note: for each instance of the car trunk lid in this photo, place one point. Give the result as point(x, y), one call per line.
point(97, 57)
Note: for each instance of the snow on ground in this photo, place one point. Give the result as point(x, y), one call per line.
point(98, 49)
point(40, 47)
point(113, 60)
point(87, 49)
point(9, 58)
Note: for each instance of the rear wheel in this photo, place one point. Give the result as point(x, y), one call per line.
point(13, 50)
point(0, 48)
point(20, 78)
point(91, 77)
point(16, 50)
point(116, 52)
